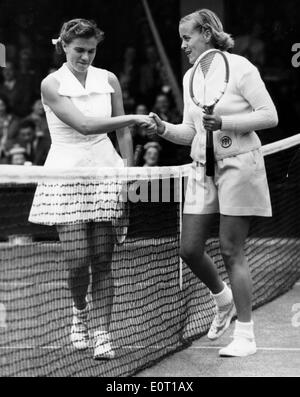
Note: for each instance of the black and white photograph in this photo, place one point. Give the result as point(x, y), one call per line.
point(149, 191)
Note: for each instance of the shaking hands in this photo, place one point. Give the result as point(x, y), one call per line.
point(146, 122)
point(160, 126)
point(152, 123)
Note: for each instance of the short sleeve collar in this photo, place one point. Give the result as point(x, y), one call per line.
point(96, 82)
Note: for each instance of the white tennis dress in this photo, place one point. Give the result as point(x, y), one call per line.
point(81, 201)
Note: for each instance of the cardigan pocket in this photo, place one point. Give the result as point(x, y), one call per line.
point(258, 160)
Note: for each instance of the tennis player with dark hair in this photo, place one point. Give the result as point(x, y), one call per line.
point(239, 189)
point(83, 103)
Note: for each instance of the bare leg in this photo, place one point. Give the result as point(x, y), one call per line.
point(195, 230)
point(233, 233)
point(102, 283)
point(74, 239)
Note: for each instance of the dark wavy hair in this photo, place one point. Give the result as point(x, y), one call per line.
point(76, 28)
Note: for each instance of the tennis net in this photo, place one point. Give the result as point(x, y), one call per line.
point(157, 306)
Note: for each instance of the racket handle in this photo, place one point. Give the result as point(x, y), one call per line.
point(210, 156)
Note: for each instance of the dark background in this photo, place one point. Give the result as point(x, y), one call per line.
point(123, 22)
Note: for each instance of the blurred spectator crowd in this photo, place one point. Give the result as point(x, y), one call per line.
point(24, 139)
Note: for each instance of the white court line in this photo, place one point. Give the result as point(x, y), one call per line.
point(64, 284)
point(279, 349)
point(32, 284)
point(50, 347)
point(32, 347)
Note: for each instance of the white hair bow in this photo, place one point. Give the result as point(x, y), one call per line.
point(55, 41)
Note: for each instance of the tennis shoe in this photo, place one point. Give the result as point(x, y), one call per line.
point(221, 320)
point(239, 347)
point(79, 329)
point(103, 349)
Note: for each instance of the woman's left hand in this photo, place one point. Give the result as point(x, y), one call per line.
point(212, 122)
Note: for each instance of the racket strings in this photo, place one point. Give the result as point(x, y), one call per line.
point(209, 78)
point(206, 62)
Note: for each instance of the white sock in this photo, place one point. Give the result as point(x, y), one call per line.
point(224, 297)
point(244, 330)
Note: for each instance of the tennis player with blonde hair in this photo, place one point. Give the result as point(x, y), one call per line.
point(83, 103)
point(239, 188)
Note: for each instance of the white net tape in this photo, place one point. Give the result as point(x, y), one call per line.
point(35, 174)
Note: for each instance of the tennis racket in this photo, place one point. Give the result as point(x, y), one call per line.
point(207, 85)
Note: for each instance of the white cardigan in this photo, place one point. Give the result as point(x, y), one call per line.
point(246, 106)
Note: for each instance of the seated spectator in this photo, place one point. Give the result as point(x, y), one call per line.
point(152, 154)
point(130, 70)
point(36, 146)
point(17, 92)
point(141, 109)
point(151, 76)
point(17, 155)
point(27, 73)
point(38, 116)
point(162, 107)
point(128, 99)
point(23, 38)
point(11, 52)
point(8, 127)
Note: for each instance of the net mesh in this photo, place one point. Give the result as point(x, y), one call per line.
point(133, 268)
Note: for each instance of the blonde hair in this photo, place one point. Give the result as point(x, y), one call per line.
point(206, 19)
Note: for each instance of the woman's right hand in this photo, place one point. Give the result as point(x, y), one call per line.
point(160, 126)
point(145, 121)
